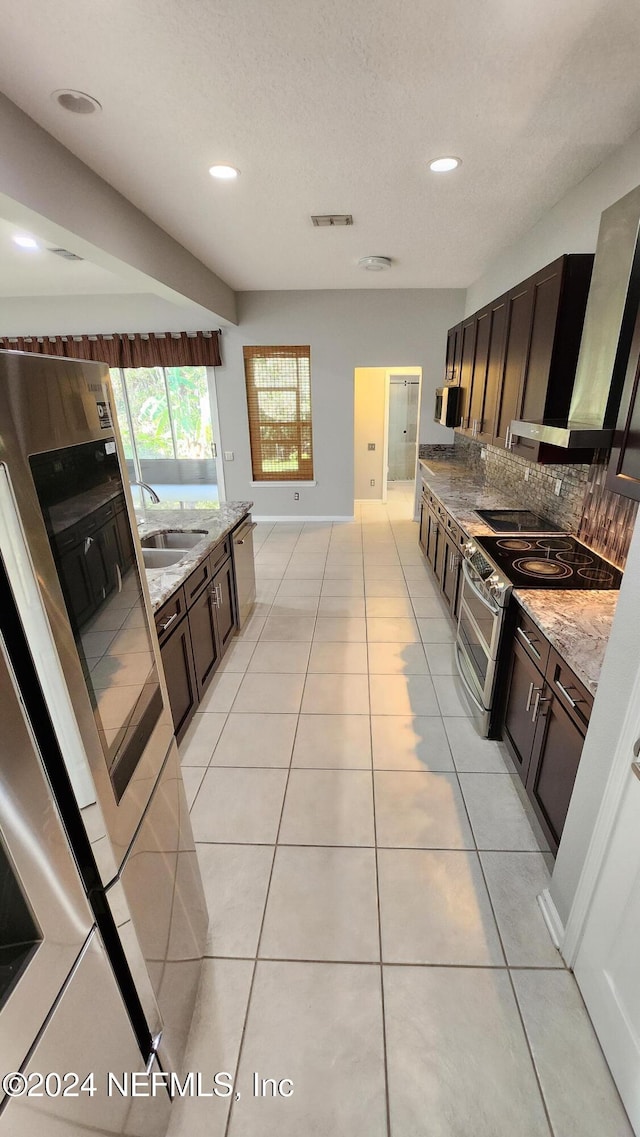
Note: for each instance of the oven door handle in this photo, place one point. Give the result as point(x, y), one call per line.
point(484, 600)
point(472, 695)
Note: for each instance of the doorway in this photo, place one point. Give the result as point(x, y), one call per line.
point(402, 432)
point(386, 430)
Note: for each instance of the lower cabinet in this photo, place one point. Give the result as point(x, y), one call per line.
point(546, 716)
point(204, 637)
point(195, 627)
point(440, 540)
point(179, 670)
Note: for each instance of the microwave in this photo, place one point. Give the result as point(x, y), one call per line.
point(447, 408)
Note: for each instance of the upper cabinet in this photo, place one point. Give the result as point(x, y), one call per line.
point(518, 355)
point(454, 349)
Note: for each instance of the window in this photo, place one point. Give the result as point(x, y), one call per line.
point(163, 412)
point(279, 402)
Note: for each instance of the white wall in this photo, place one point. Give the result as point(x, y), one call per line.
point(40, 175)
point(345, 330)
point(85, 315)
point(570, 227)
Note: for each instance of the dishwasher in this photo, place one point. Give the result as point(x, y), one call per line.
point(245, 568)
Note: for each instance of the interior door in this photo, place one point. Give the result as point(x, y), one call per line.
point(403, 427)
point(606, 966)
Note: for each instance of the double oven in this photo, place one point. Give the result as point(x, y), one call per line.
point(484, 598)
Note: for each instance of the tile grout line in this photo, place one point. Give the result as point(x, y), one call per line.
point(504, 954)
point(264, 913)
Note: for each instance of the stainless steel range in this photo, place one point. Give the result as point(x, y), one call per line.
point(491, 568)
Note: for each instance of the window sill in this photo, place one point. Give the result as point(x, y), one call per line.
point(279, 485)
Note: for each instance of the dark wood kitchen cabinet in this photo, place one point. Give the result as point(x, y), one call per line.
point(441, 539)
point(179, 670)
point(453, 356)
point(468, 332)
point(559, 300)
point(491, 327)
point(195, 627)
point(519, 356)
point(205, 640)
point(516, 352)
point(546, 716)
point(424, 524)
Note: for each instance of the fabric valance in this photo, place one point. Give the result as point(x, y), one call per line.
point(155, 349)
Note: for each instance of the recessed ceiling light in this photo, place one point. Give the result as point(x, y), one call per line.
point(444, 165)
point(226, 173)
point(25, 242)
point(375, 264)
point(78, 102)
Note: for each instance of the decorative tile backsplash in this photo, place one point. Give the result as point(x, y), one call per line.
point(601, 519)
point(607, 519)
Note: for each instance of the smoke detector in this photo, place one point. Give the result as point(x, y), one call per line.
point(374, 264)
point(78, 102)
point(66, 254)
point(328, 220)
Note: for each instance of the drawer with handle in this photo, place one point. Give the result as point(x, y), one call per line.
point(168, 617)
point(529, 636)
point(220, 554)
point(576, 699)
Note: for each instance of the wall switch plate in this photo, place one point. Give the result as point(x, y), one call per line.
point(483, 453)
point(371, 446)
point(228, 455)
point(372, 482)
point(557, 487)
point(527, 473)
point(296, 496)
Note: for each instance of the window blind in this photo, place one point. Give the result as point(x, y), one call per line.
point(279, 404)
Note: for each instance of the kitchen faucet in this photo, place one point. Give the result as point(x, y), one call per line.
point(152, 493)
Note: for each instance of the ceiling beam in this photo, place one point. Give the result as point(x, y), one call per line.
point(39, 175)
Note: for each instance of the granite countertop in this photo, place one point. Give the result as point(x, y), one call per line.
point(218, 521)
point(577, 624)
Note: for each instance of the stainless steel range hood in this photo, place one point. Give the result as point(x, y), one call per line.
point(606, 338)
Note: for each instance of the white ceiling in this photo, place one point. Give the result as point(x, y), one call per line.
point(39, 272)
point(334, 106)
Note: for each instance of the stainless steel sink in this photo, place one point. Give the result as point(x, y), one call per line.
point(173, 539)
point(161, 558)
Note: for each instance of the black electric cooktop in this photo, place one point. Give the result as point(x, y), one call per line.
point(550, 562)
point(516, 521)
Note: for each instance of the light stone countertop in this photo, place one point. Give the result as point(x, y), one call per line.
point(577, 624)
point(218, 521)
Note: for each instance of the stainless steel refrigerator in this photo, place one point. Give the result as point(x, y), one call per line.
point(119, 906)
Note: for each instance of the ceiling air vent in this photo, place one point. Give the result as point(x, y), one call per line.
point(326, 220)
point(66, 254)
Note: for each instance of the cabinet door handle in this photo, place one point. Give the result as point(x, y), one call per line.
point(168, 623)
point(219, 592)
point(528, 641)
point(537, 703)
point(529, 696)
point(566, 694)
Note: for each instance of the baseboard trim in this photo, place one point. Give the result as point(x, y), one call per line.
point(550, 915)
point(299, 517)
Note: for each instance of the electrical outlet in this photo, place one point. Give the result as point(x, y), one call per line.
point(557, 487)
point(228, 455)
point(296, 497)
point(371, 446)
point(527, 473)
point(372, 482)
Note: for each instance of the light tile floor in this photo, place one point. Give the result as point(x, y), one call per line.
point(371, 872)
